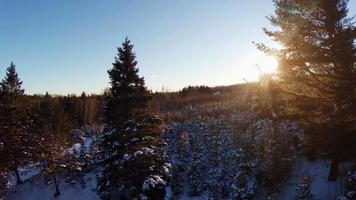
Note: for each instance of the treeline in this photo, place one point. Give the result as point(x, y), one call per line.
point(82, 110)
point(193, 90)
point(191, 96)
point(172, 106)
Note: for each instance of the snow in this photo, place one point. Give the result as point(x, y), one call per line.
point(318, 171)
point(126, 157)
point(76, 148)
point(137, 153)
point(147, 150)
point(152, 182)
point(37, 189)
point(185, 196)
point(88, 142)
point(26, 172)
point(168, 195)
point(165, 169)
point(190, 142)
point(110, 132)
point(189, 147)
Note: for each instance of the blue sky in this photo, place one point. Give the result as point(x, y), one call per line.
point(67, 46)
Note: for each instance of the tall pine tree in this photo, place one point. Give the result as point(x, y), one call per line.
point(17, 145)
point(318, 72)
point(133, 158)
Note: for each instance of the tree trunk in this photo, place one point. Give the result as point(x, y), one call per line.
point(333, 170)
point(18, 177)
point(56, 185)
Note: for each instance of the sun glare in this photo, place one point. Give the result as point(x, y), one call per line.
point(257, 65)
point(267, 64)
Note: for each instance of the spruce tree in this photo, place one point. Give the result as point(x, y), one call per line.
point(17, 145)
point(317, 72)
point(133, 160)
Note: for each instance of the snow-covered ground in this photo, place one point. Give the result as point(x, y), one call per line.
point(318, 171)
point(321, 188)
point(37, 189)
point(27, 172)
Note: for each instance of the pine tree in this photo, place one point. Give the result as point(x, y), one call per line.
point(133, 164)
point(317, 71)
point(17, 144)
point(3, 171)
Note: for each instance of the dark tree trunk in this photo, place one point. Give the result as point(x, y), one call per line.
point(56, 185)
point(43, 164)
point(333, 170)
point(18, 178)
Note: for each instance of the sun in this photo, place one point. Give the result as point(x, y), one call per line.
point(266, 64)
point(258, 64)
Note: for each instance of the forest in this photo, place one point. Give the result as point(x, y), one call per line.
point(291, 135)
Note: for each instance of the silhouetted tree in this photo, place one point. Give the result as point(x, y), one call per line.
point(133, 164)
point(317, 71)
point(17, 144)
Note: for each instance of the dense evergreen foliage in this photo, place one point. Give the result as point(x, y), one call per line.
point(317, 72)
point(133, 159)
point(16, 142)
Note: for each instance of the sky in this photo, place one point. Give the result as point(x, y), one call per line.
point(67, 46)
